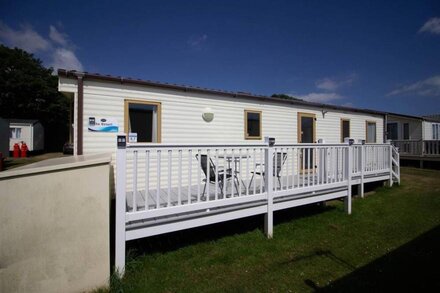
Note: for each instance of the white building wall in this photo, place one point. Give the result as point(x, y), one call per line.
point(182, 116)
point(182, 120)
point(25, 135)
point(415, 127)
point(428, 134)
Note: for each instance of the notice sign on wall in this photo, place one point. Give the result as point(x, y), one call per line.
point(99, 124)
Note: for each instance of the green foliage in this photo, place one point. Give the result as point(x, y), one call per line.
point(284, 96)
point(28, 90)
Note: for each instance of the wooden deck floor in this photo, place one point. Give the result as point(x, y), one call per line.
point(154, 200)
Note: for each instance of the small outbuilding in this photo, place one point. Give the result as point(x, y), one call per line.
point(29, 131)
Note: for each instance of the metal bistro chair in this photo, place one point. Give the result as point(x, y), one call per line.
point(222, 175)
point(280, 160)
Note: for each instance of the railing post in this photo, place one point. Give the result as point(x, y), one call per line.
point(268, 185)
point(348, 164)
point(362, 170)
point(391, 165)
point(121, 173)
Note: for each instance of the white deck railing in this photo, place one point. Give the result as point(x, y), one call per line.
point(418, 147)
point(159, 181)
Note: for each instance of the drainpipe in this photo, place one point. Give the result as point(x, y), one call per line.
point(80, 110)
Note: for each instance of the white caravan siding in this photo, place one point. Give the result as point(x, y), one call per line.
point(427, 127)
point(181, 119)
point(415, 127)
point(182, 116)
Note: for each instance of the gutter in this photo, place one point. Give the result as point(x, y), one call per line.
point(80, 112)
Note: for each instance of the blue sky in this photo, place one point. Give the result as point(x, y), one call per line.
point(381, 55)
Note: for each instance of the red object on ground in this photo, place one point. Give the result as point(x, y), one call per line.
point(16, 152)
point(24, 150)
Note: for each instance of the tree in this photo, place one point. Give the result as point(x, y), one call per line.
point(284, 96)
point(28, 90)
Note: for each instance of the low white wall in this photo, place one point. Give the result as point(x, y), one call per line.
point(54, 234)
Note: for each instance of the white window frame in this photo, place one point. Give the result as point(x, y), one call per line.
point(14, 131)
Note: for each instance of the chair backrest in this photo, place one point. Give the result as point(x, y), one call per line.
point(278, 160)
point(204, 165)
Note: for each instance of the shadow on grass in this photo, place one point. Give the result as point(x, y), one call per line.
point(413, 267)
point(175, 240)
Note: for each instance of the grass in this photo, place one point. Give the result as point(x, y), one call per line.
point(389, 242)
point(11, 163)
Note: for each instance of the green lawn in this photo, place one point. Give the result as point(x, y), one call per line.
point(391, 241)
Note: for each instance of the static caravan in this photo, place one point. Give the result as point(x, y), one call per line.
point(431, 128)
point(154, 112)
point(29, 131)
point(199, 156)
point(404, 127)
point(4, 137)
point(414, 136)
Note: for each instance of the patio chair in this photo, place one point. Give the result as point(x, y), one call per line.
point(280, 160)
point(222, 175)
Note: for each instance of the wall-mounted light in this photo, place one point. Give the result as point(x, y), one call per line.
point(208, 115)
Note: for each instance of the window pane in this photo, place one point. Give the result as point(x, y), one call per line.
point(253, 124)
point(11, 132)
point(17, 132)
point(143, 121)
point(307, 131)
point(406, 131)
point(345, 129)
point(371, 132)
point(433, 131)
point(392, 131)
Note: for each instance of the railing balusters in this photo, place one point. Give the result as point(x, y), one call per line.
point(158, 154)
point(287, 167)
point(147, 178)
point(135, 177)
point(224, 173)
point(199, 174)
point(255, 170)
point(232, 172)
point(189, 175)
point(247, 172)
point(179, 190)
point(315, 165)
point(262, 170)
point(216, 175)
point(169, 177)
point(239, 172)
point(208, 174)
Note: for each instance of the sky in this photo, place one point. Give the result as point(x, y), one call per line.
point(382, 55)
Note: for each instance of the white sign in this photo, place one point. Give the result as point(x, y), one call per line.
point(132, 137)
point(100, 124)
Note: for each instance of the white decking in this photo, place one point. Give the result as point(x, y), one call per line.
point(169, 183)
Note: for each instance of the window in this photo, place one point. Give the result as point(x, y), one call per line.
point(144, 119)
point(392, 131)
point(405, 130)
point(15, 133)
point(252, 124)
point(345, 129)
point(436, 131)
point(371, 132)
